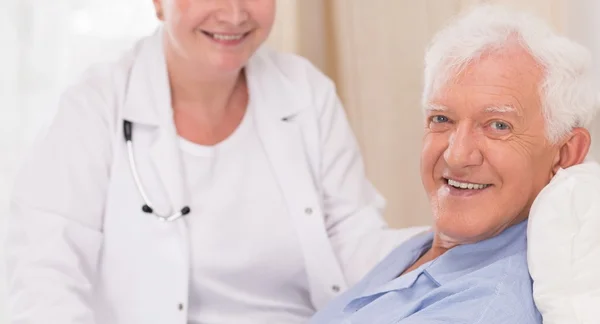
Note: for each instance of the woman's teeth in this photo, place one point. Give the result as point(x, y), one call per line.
point(467, 185)
point(227, 37)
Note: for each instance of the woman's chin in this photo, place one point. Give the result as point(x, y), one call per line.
point(227, 67)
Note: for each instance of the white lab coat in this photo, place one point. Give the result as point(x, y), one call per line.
point(80, 249)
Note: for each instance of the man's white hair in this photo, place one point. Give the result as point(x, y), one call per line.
point(567, 91)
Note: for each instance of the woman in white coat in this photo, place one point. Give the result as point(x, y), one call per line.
point(256, 208)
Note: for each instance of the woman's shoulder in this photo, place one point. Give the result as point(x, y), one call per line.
point(102, 85)
point(292, 67)
point(293, 77)
point(106, 75)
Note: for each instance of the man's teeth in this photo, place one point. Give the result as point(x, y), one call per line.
point(466, 185)
point(227, 37)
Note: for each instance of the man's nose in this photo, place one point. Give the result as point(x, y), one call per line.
point(233, 12)
point(464, 148)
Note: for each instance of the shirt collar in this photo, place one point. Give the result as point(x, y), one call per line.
point(451, 265)
point(402, 257)
point(467, 258)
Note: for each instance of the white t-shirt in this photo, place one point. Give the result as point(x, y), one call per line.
point(247, 263)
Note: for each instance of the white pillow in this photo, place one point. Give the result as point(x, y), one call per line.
point(564, 246)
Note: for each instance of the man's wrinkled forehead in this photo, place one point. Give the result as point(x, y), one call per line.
point(498, 82)
point(509, 63)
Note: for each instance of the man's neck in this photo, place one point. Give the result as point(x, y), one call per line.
point(433, 253)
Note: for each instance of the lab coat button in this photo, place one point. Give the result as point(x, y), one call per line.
point(180, 306)
point(335, 288)
point(308, 211)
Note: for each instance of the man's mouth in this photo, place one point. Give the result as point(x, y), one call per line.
point(466, 185)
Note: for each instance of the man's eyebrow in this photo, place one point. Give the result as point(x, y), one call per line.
point(434, 107)
point(488, 109)
point(502, 109)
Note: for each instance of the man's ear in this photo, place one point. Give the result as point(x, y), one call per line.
point(574, 149)
point(158, 7)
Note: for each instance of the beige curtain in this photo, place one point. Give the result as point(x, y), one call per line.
point(582, 23)
point(373, 50)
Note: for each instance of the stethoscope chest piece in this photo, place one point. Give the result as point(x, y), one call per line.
point(147, 207)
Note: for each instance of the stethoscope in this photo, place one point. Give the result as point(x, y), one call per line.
point(147, 207)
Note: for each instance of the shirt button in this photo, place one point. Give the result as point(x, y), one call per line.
point(335, 288)
point(180, 307)
point(308, 211)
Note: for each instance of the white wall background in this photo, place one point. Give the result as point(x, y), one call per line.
point(46, 43)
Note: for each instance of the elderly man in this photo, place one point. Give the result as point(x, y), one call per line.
point(507, 103)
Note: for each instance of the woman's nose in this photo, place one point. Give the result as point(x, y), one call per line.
point(233, 12)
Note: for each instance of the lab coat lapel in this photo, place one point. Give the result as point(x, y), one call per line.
point(281, 118)
point(283, 144)
point(276, 112)
point(148, 103)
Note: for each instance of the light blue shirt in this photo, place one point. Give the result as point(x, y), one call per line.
point(486, 282)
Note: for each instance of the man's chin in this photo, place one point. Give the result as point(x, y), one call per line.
point(460, 231)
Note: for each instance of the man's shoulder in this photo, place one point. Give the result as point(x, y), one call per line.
point(486, 282)
point(508, 299)
point(500, 292)
point(505, 277)
point(507, 267)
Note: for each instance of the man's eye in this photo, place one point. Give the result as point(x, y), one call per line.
point(500, 125)
point(438, 119)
